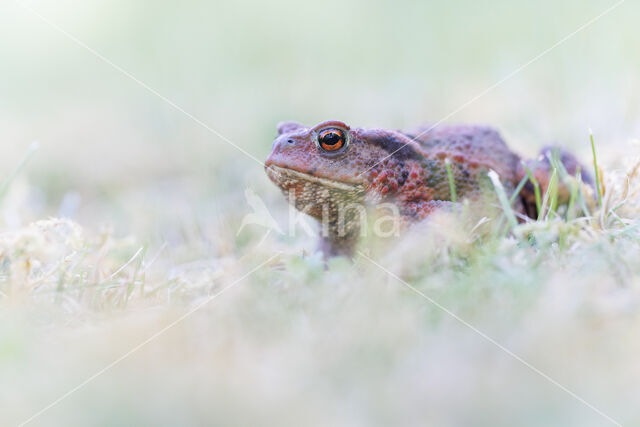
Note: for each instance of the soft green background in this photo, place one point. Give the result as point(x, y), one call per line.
point(296, 344)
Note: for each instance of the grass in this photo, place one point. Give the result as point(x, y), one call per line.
point(127, 218)
point(452, 184)
point(536, 187)
point(596, 171)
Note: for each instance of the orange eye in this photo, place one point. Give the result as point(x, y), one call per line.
point(331, 139)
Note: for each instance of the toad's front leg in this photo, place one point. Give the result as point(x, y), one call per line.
point(340, 238)
point(334, 243)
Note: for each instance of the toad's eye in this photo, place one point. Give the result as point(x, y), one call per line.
point(331, 139)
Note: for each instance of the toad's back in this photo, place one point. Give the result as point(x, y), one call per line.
point(470, 147)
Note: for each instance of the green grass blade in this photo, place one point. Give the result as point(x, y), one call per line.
point(550, 197)
point(574, 194)
point(523, 181)
point(452, 184)
point(502, 197)
point(595, 167)
point(536, 188)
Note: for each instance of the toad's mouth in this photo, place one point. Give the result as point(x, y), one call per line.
point(284, 177)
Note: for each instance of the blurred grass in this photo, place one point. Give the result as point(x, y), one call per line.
point(296, 344)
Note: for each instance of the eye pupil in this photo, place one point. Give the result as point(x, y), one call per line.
point(332, 139)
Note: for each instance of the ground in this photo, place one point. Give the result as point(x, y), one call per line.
point(130, 295)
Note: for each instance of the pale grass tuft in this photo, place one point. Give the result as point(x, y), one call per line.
point(621, 203)
point(32, 255)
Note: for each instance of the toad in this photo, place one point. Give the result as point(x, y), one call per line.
point(322, 169)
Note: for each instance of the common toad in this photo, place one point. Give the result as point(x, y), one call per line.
point(326, 167)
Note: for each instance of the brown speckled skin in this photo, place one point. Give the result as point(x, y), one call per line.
point(382, 165)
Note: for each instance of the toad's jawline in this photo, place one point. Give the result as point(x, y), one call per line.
point(276, 172)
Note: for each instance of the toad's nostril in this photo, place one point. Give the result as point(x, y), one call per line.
point(290, 141)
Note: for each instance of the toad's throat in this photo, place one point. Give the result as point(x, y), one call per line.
point(322, 198)
point(284, 177)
